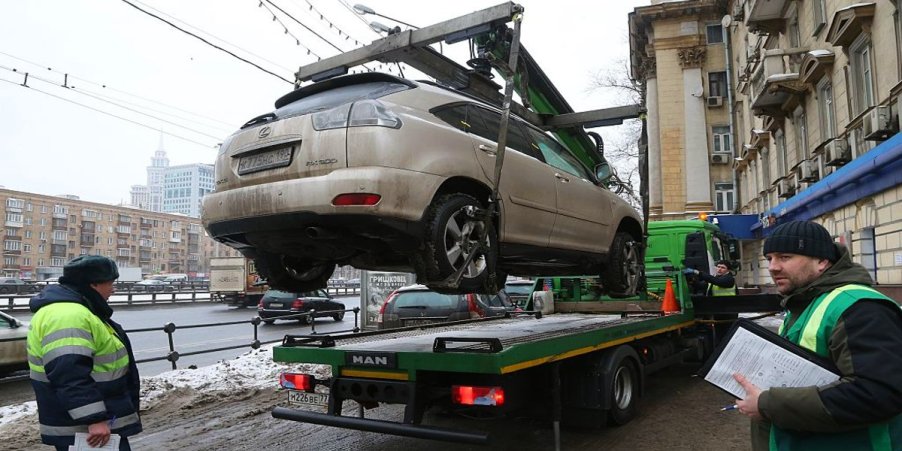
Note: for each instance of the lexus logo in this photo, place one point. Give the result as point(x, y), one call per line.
point(264, 132)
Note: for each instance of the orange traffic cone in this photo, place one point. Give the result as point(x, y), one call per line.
point(669, 305)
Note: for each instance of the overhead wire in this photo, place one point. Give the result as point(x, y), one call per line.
point(206, 145)
point(332, 25)
point(113, 103)
point(207, 42)
point(108, 87)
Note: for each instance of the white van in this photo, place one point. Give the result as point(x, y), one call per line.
point(176, 278)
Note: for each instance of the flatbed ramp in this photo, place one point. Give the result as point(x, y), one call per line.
point(496, 346)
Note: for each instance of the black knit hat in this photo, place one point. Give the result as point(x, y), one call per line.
point(88, 269)
point(801, 238)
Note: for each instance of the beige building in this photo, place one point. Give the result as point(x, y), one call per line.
point(42, 233)
point(780, 110)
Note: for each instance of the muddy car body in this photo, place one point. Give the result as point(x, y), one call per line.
point(388, 174)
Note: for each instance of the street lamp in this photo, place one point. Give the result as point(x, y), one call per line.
point(364, 10)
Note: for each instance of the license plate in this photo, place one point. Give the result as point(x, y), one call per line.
point(302, 398)
point(275, 305)
point(267, 160)
point(418, 322)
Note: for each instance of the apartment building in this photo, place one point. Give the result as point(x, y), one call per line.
point(42, 233)
point(796, 102)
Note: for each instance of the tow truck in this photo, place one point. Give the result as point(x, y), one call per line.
point(586, 363)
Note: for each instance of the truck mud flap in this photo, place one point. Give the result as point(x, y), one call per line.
point(384, 427)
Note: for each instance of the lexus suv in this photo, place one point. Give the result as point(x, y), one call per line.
point(388, 174)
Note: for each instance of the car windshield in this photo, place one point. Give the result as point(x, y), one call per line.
point(425, 299)
point(339, 96)
point(518, 288)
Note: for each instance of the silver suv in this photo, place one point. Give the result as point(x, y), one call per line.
point(389, 174)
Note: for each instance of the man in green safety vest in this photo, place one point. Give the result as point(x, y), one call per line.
point(831, 310)
point(82, 367)
point(721, 283)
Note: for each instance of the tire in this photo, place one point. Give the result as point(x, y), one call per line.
point(339, 316)
point(4, 290)
point(620, 276)
point(286, 274)
point(269, 321)
point(624, 391)
point(446, 223)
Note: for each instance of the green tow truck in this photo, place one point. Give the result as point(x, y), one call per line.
point(586, 363)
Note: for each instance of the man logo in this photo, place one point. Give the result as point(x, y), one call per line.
point(373, 359)
point(264, 132)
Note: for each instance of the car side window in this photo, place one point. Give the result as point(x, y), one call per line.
point(558, 156)
point(486, 123)
point(455, 116)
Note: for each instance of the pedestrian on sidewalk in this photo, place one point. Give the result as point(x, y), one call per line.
point(83, 370)
point(831, 310)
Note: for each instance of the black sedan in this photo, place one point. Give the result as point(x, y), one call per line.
point(277, 304)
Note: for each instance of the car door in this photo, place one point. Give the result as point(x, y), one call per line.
point(584, 209)
point(527, 189)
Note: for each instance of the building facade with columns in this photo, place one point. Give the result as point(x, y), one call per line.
point(809, 119)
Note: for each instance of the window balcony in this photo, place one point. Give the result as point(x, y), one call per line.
point(14, 223)
point(773, 87)
point(766, 16)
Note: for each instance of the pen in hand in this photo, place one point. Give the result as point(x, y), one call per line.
point(733, 407)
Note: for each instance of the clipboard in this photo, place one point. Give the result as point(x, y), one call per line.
point(765, 359)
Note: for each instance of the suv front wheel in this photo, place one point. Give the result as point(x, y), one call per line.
point(620, 277)
point(452, 230)
point(287, 274)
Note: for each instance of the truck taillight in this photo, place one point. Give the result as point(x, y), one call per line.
point(467, 395)
point(297, 381)
point(473, 307)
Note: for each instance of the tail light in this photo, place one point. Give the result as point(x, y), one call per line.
point(260, 304)
point(381, 317)
point(467, 395)
point(358, 114)
point(473, 307)
point(297, 304)
point(297, 381)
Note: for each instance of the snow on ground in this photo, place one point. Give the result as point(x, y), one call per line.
point(254, 369)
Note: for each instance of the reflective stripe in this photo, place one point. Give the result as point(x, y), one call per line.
point(66, 350)
point(110, 358)
point(107, 376)
point(66, 333)
point(39, 376)
point(808, 339)
point(64, 431)
point(125, 421)
point(90, 409)
point(35, 360)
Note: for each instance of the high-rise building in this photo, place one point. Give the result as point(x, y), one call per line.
point(173, 189)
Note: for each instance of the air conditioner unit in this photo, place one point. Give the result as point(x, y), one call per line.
point(715, 101)
point(877, 126)
point(794, 182)
point(808, 171)
point(785, 188)
point(720, 158)
point(837, 152)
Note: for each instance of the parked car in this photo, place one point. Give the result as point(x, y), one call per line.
point(13, 354)
point(416, 305)
point(12, 285)
point(519, 291)
point(277, 303)
point(151, 285)
point(385, 173)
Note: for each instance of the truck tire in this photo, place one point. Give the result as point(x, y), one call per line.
point(624, 391)
point(446, 222)
point(620, 276)
point(283, 273)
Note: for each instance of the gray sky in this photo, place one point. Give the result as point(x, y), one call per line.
point(115, 53)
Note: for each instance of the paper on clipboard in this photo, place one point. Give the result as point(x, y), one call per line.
point(81, 443)
point(764, 364)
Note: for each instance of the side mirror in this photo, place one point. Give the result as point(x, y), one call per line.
point(603, 172)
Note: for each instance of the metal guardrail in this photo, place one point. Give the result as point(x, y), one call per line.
point(170, 328)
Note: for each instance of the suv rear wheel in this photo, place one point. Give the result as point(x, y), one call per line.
point(288, 274)
point(451, 236)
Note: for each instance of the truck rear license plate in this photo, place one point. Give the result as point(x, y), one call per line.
point(267, 160)
point(302, 398)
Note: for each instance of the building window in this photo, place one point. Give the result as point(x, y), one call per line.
point(868, 251)
point(723, 196)
point(792, 28)
point(801, 129)
point(722, 139)
point(26, 248)
point(765, 168)
point(820, 15)
point(825, 105)
point(715, 34)
point(862, 74)
point(57, 261)
point(717, 84)
point(12, 245)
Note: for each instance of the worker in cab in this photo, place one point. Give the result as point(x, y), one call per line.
point(721, 283)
